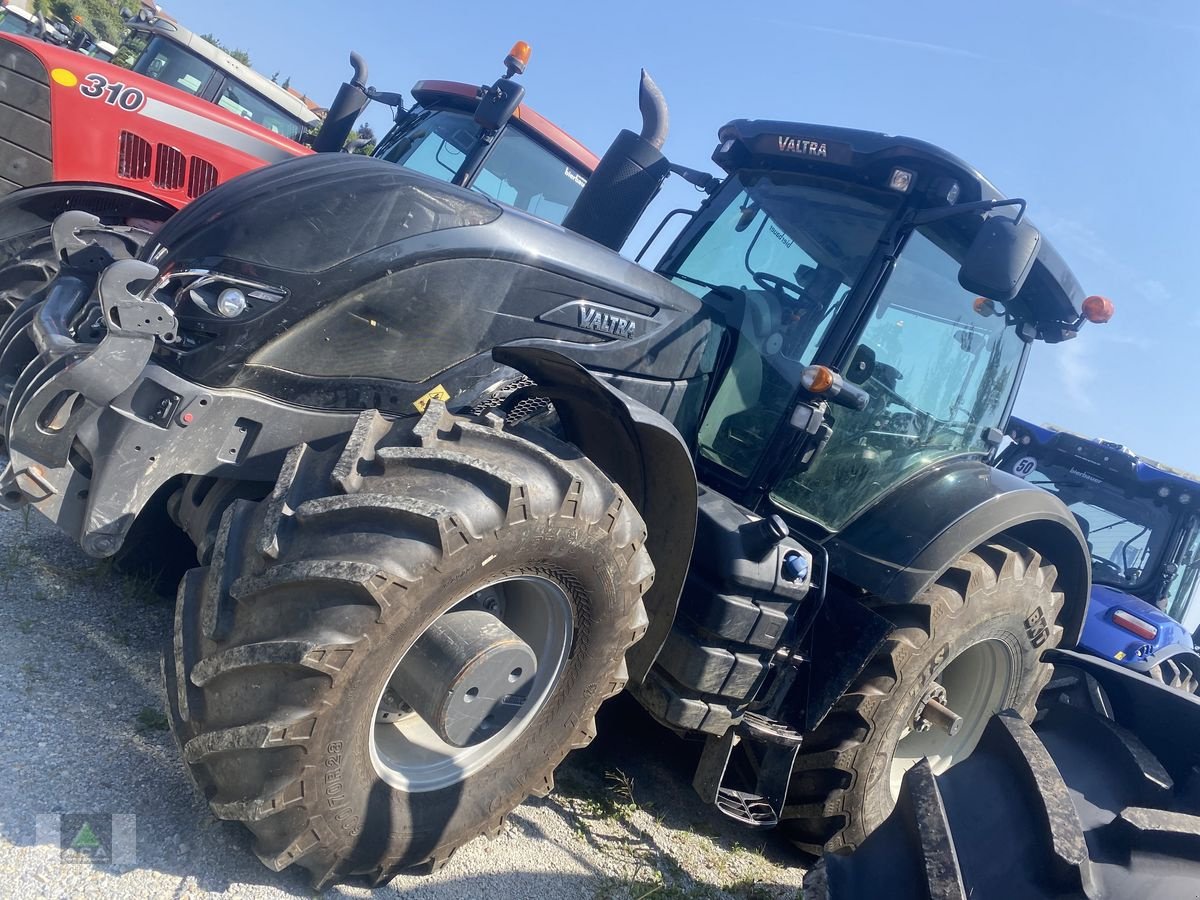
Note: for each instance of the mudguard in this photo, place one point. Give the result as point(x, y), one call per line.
point(36, 207)
point(642, 452)
point(899, 547)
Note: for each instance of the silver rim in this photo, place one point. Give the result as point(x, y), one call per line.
point(977, 683)
point(408, 753)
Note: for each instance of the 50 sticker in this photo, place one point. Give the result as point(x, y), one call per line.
point(114, 93)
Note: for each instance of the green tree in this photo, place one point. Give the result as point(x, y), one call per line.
point(237, 53)
point(101, 17)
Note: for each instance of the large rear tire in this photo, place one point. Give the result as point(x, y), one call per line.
point(300, 652)
point(978, 634)
point(1074, 807)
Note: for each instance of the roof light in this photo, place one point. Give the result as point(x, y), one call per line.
point(1134, 625)
point(817, 379)
point(1164, 492)
point(1025, 439)
point(901, 180)
point(1098, 309)
point(1185, 498)
point(518, 58)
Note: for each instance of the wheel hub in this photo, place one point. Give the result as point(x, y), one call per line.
point(932, 712)
point(468, 686)
point(467, 676)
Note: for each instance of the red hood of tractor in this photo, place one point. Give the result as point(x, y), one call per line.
point(112, 126)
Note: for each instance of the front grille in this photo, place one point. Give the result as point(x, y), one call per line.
point(170, 168)
point(133, 156)
point(202, 177)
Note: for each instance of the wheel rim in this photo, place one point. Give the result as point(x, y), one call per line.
point(407, 751)
point(977, 683)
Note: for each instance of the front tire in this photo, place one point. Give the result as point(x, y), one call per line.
point(979, 633)
point(319, 598)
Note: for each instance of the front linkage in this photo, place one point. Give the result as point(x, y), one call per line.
point(94, 428)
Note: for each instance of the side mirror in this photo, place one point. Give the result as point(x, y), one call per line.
point(498, 104)
point(1000, 258)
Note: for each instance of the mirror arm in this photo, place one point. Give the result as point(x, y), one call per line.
point(925, 216)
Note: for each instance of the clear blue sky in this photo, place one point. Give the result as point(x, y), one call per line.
point(1090, 109)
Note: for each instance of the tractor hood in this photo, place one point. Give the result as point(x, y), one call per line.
point(1104, 637)
point(350, 282)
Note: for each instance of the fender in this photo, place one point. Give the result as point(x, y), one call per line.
point(899, 547)
point(31, 208)
point(643, 453)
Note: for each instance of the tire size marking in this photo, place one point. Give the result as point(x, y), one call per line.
point(1036, 628)
point(335, 795)
point(114, 93)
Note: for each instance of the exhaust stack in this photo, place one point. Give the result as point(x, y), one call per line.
point(351, 97)
point(628, 176)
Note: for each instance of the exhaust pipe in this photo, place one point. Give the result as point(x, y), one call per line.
point(628, 177)
point(351, 97)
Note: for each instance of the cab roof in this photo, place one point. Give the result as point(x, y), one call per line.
point(464, 96)
point(1116, 459)
point(217, 57)
point(873, 156)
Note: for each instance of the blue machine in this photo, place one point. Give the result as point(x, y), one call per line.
point(1142, 522)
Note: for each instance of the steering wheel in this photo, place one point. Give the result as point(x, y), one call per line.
point(782, 286)
point(1108, 564)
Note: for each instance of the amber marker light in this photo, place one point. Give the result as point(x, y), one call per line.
point(984, 307)
point(817, 379)
point(1098, 309)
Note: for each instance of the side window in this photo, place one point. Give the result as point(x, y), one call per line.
point(1183, 597)
point(241, 101)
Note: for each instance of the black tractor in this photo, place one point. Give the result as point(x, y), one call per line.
point(455, 475)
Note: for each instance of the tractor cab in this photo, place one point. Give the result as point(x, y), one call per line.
point(526, 162)
point(877, 297)
point(1143, 532)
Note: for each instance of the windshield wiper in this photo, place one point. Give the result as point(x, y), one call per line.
point(698, 282)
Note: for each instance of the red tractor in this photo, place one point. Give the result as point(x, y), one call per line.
point(79, 134)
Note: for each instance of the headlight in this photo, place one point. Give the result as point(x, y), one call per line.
point(231, 303)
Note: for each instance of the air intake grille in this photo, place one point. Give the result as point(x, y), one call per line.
point(134, 156)
point(170, 168)
point(202, 177)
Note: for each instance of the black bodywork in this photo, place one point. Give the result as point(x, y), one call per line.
point(368, 286)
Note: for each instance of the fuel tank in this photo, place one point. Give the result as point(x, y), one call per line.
point(369, 285)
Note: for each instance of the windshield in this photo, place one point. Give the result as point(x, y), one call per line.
point(1125, 532)
point(777, 259)
point(517, 171)
point(12, 23)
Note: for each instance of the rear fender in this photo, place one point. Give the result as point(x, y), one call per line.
point(643, 453)
point(31, 208)
point(899, 547)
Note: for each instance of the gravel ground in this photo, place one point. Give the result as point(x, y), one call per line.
point(83, 737)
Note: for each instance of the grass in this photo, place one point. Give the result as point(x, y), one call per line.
point(607, 815)
point(151, 719)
